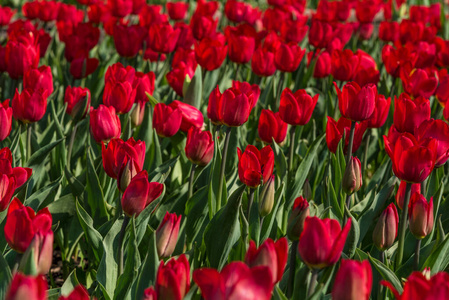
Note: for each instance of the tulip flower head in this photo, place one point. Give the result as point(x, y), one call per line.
point(199, 146)
point(420, 216)
point(255, 167)
point(297, 217)
point(167, 234)
point(27, 287)
point(296, 108)
point(353, 281)
point(416, 188)
point(104, 124)
point(173, 278)
point(356, 103)
point(386, 228)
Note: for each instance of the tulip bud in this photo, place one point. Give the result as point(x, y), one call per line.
point(78, 102)
point(297, 217)
point(266, 201)
point(353, 281)
point(420, 216)
point(307, 190)
point(138, 114)
point(126, 174)
point(199, 146)
point(104, 124)
point(5, 119)
point(352, 179)
point(386, 228)
point(41, 250)
point(167, 235)
point(416, 188)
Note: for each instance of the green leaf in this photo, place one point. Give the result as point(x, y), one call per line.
point(269, 221)
point(63, 208)
point(279, 160)
point(94, 191)
point(144, 217)
point(386, 273)
point(153, 101)
point(223, 230)
point(69, 284)
point(92, 235)
point(214, 179)
point(38, 158)
point(161, 173)
point(38, 199)
point(194, 90)
point(5, 276)
point(439, 259)
point(353, 236)
point(197, 213)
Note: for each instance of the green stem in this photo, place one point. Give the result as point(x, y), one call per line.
point(382, 260)
point(192, 176)
point(292, 148)
point(365, 156)
point(351, 143)
point(417, 250)
point(403, 225)
point(72, 140)
point(223, 166)
point(120, 245)
point(250, 202)
point(313, 282)
point(29, 129)
point(292, 270)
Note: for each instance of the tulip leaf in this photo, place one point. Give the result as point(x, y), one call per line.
point(144, 217)
point(94, 191)
point(334, 201)
point(161, 173)
point(77, 188)
point(5, 276)
point(193, 95)
point(92, 235)
point(145, 132)
point(63, 208)
point(223, 230)
point(37, 200)
point(302, 172)
point(197, 213)
point(439, 259)
point(269, 220)
point(353, 236)
point(38, 158)
point(153, 101)
point(386, 273)
point(278, 294)
point(69, 284)
point(214, 180)
point(279, 160)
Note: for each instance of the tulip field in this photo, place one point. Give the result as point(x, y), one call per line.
point(224, 150)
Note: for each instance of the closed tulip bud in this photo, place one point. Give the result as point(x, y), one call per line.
point(191, 116)
point(296, 108)
point(167, 235)
point(128, 40)
point(321, 242)
point(173, 279)
point(104, 124)
point(353, 281)
point(288, 57)
point(30, 105)
point(140, 193)
point(266, 201)
point(270, 254)
point(41, 248)
point(235, 107)
point(40, 78)
point(5, 119)
point(213, 107)
point(27, 287)
point(119, 94)
point(78, 293)
point(137, 114)
point(386, 228)
point(149, 294)
point(420, 216)
point(271, 127)
point(356, 103)
point(199, 146)
point(126, 174)
point(177, 10)
point(22, 223)
point(166, 120)
point(298, 215)
point(262, 62)
point(416, 188)
point(352, 178)
point(78, 102)
point(255, 167)
point(7, 188)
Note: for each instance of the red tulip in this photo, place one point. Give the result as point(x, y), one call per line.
point(143, 83)
point(409, 114)
point(149, 294)
point(163, 38)
point(22, 223)
point(104, 124)
point(421, 286)
point(366, 11)
point(252, 91)
point(21, 55)
point(5, 119)
point(344, 64)
point(40, 78)
point(213, 107)
point(203, 26)
point(380, 114)
point(322, 241)
point(420, 216)
point(177, 76)
point(118, 90)
point(288, 57)
point(297, 217)
point(241, 43)
point(120, 8)
point(7, 187)
point(30, 106)
point(78, 101)
point(210, 53)
point(255, 167)
point(166, 120)
point(235, 281)
point(117, 153)
point(262, 62)
point(320, 33)
point(6, 13)
point(366, 71)
point(139, 194)
point(271, 127)
point(234, 107)
point(177, 10)
point(418, 82)
point(352, 178)
point(128, 39)
point(426, 55)
point(167, 234)
point(173, 279)
point(389, 31)
point(19, 174)
point(270, 254)
point(442, 91)
point(353, 281)
point(191, 116)
point(335, 131)
point(42, 249)
point(386, 229)
point(236, 11)
point(199, 146)
point(78, 293)
point(185, 39)
point(296, 108)
point(413, 160)
point(438, 130)
point(416, 188)
point(27, 287)
point(83, 66)
point(355, 103)
point(322, 65)
point(294, 30)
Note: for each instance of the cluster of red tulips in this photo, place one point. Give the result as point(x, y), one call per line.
point(176, 150)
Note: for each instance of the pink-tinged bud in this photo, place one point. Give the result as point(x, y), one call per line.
point(386, 228)
point(40, 78)
point(126, 174)
point(297, 217)
point(78, 293)
point(416, 188)
point(420, 216)
point(149, 294)
point(270, 254)
point(166, 120)
point(78, 102)
point(30, 105)
point(5, 119)
point(27, 287)
point(140, 193)
point(167, 235)
point(199, 146)
point(137, 114)
point(41, 248)
point(104, 124)
point(352, 179)
point(266, 199)
point(353, 281)
point(173, 279)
